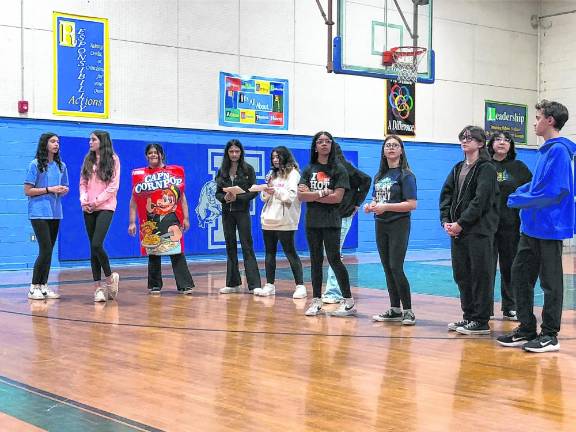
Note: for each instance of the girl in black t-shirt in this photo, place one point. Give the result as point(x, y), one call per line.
point(393, 199)
point(322, 186)
point(235, 172)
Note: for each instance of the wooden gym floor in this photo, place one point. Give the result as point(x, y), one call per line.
point(211, 362)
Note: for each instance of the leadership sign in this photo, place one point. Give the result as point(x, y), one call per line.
point(253, 102)
point(81, 66)
point(506, 117)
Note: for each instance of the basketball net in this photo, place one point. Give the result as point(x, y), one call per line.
point(406, 61)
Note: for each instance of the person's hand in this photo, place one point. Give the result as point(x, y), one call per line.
point(132, 229)
point(303, 188)
point(87, 208)
point(58, 189)
point(229, 197)
point(328, 192)
point(185, 224)
point(379, 208)
point(270, 190)
point(455, 229)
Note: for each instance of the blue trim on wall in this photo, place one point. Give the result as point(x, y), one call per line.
point(431, 163)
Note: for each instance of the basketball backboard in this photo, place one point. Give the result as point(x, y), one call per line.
point(368, 28)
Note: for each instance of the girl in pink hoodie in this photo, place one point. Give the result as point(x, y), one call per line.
point(99, 181)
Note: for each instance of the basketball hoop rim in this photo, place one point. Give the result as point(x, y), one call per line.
point(411, 51)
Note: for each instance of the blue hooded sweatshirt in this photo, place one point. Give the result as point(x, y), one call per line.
point(547, 203)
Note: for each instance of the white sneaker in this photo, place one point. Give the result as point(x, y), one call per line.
point(231, 290)
point(100, 295)
point(315, 307)
point(300, 292)
point(35, 293)
point(331, 300)
point(48, 293)
point(113, 287)
point(345, 309)
point(268, 290)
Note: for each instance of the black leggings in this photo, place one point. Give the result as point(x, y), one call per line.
point(329, 239)
point(392, 241)
point(179, 266)
point(97, 225)
point(240, 220)
point(46, 231)
point(286, 239)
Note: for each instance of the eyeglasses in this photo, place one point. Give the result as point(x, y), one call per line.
point(467, 138)
point(391, 145)
point(503, 139)
point(322, 141)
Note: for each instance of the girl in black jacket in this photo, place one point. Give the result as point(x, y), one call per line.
point(511, 174)
point(469, 215)
point(234, 171)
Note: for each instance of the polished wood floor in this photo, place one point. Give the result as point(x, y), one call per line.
point(211, 362)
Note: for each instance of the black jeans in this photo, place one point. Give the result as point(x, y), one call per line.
point(240, 220)
point(392, 242)
point(179, 266)
point(46, 232)
point(286, 239)
point(505, 247)
point(472, 266)
point(329, 239)
point(97, 224)
point(536, 257)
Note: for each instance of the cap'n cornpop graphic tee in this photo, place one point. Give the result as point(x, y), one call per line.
point(395, 187)
point(319, 177)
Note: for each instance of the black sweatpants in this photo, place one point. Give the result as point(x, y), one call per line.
point(46, 232)
point(286, 239)
point(472, 266)
point(240, 220)
point(97, 224)
point(538, 258)
point(505, 247)
point(329, 239)
point(179, 266)
point(392, 241)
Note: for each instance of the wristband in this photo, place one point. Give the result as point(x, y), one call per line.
point(47, 190)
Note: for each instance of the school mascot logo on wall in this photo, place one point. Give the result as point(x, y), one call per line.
point(209, 209)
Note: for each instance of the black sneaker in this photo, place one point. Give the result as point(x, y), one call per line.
point(474, 328)
point(509, 315)
point(543, 343)
point(516, 338)
point(454, 325)
point(388, 316)
point(155, 291)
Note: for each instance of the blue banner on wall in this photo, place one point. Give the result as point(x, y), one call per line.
point(80, 66)
point(201, 163)
point(506, 117)
point(253, 102)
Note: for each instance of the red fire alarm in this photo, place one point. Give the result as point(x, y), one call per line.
point(22, 106)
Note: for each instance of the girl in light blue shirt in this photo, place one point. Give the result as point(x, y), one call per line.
point(45, 184)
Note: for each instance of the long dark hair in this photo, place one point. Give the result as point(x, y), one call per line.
point(384, 168)
point(227, 163)
point(478, 134)
point(511, 155)
point(105, 168)
point(42, 152)
point(314, 155)
point(286, 162)
point(159, 149)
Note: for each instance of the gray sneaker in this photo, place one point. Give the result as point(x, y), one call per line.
point(113, 287)
point(345, 309)
point(388, 316)
point(315, 307)
point(408, 318)
point(454, 325)
point(48, 292)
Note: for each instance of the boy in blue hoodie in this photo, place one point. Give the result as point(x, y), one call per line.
point(547, 217)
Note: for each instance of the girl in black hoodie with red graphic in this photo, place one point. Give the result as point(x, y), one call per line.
point(469, 215)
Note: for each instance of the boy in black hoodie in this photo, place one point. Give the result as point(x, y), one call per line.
point(469, 215)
